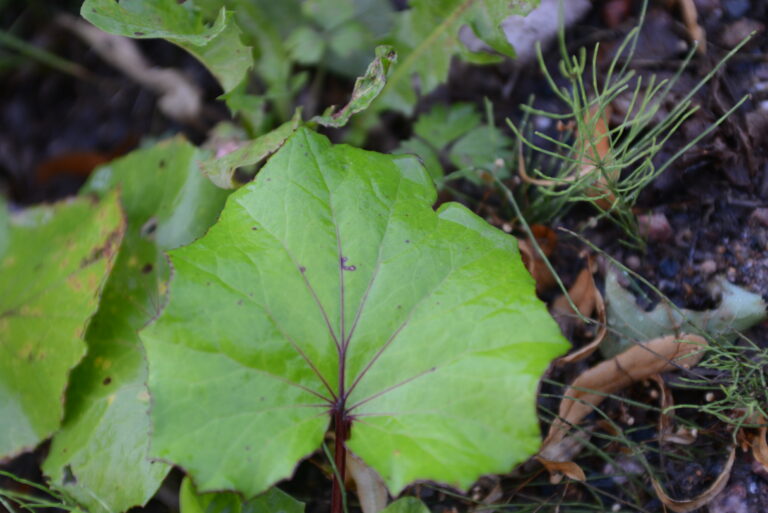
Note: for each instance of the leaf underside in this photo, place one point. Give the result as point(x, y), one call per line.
point(330, 283)
point(51, 274)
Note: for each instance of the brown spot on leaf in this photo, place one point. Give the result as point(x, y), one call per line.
point(107, 250)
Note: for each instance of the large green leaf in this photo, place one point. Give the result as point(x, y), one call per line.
point(426, 37)
point(51, 275)
point(330, 284)
point(100, 455)
point(273, 500)
point(217, 46)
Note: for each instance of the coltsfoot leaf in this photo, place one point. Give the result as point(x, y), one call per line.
point(330, 284)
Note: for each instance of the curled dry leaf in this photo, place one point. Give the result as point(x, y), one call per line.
point(608, 377)
point(588, 299)
point(690, 18)
point(371, 490)
point(682, 506)
point(681, 436)
point(546, 238)
point(558, 469)
point(594, 147)
point(760, 447)
point(756, 440)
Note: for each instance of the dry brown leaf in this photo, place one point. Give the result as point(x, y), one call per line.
point(682, 435)
point(558, 469)
point(587, 298)
point(582, 294)
point(545, 237)
point(760, 447)
point(756, 441)
point(608, 377)
point(682, 506)
point(371, 490)
point(690, 18)
point(595, 147)
point(547, 241)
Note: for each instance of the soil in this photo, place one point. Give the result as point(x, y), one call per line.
point(711, 204)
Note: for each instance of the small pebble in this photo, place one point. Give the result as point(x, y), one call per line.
point(708, 267)
point(760, 215)
point(655, 227)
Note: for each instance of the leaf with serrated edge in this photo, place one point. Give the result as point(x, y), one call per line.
point(329, 282)
point(100, 455)
point(51, 277)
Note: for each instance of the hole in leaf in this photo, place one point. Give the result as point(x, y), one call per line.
point(69, 476)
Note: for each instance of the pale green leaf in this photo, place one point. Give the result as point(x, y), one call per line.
point(445, 123)
point(629, 323)
point(222, 170)
point(51, 277)
point(480, 149)
point(273, 500)
point(367, 88)
point(100, 456)
point(352, 28)
point(225, 56)
point(330, 284)
point(406, 505)
point(306, 45)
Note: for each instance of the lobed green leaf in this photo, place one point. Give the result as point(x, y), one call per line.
point(330, 284)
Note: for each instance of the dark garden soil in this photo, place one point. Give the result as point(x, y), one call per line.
point(711, 207)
